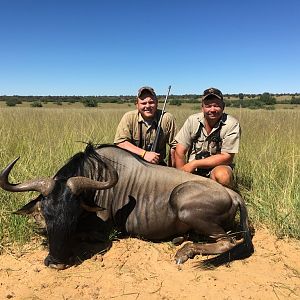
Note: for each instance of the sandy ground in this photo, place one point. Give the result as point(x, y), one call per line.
point(135, 269)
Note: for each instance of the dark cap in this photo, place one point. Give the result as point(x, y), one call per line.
point(212, 92)
point(146, 89)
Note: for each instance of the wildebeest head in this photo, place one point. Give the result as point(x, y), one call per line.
point(62, 200)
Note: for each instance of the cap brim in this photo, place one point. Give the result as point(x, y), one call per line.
point(212, 94)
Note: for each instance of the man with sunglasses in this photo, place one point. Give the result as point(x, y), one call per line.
point(137, 129)
point(209, 140)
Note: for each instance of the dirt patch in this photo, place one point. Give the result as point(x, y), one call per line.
point(135, 269)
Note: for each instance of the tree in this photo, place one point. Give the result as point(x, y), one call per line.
point(267, 99)
point(241, 96)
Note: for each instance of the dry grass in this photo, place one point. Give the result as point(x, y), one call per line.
point(267, 169)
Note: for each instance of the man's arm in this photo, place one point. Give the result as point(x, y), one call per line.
point(169, 126)
point(209, 162)
point(180, 152)
point(123, 139)
point(151, 157)
point(130, 147)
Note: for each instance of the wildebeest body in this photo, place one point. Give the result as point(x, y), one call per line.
point(154, 192)
point(146, 200)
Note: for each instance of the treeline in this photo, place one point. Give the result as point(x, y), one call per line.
point(234, 100)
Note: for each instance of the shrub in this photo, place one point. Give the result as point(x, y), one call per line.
point(267, 99)
point(295, 100)
point(11, 102)
point(36, 104)
point(90, 102)
point(176, 102)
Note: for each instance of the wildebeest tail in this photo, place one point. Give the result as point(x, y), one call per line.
point(244, 224)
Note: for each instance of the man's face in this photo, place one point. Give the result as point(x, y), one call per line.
point(212, 109)
point(147, 105)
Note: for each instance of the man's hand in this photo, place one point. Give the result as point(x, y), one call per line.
point(189, 167)
point(152, 157)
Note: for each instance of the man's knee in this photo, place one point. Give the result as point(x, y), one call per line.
point(223, 174)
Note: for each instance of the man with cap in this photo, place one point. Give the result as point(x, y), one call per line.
point(137, 129)
point(209, 140)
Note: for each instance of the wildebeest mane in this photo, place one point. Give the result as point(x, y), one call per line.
point(81, 164)
point(136, 156)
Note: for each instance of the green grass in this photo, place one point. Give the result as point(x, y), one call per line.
point(267, 170)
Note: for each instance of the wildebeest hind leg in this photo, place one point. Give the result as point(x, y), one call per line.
point(189, 250)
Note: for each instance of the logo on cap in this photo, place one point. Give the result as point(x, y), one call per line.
point(146, 89)
point(212, 92)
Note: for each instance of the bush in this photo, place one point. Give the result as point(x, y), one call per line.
point(11, 102)
point(176, 102)
point(36, 104)
point(90, 102)
point(254, 104)
point(267, 99)
point(295, 100)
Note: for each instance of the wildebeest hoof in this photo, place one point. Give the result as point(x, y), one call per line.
point(180, 260)
point(58, 266)
point(184, 253)
point(178, 240)
point(53, 264)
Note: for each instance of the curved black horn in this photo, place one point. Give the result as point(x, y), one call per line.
point(79, 183)
point(43, 186)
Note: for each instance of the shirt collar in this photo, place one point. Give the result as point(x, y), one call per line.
point(221, 122)
point(154, 122)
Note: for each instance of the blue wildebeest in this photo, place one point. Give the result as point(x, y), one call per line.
point(141, 199)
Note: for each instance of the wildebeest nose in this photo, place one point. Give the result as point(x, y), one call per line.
point(51, 263)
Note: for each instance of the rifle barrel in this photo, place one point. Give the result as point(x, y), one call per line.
point(154, 146)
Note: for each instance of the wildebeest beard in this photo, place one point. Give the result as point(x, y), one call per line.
point(62, 209)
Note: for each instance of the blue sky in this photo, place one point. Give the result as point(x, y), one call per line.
point(114, 47)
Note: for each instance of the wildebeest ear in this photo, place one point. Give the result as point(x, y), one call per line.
point(102, 212)
point(89, 208)
point(31, 208)
point(103, 215)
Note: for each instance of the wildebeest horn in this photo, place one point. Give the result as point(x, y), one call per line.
point(79, 183)
point(43, 186)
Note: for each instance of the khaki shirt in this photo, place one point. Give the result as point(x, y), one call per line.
point(129, 130)
point(229, 135)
